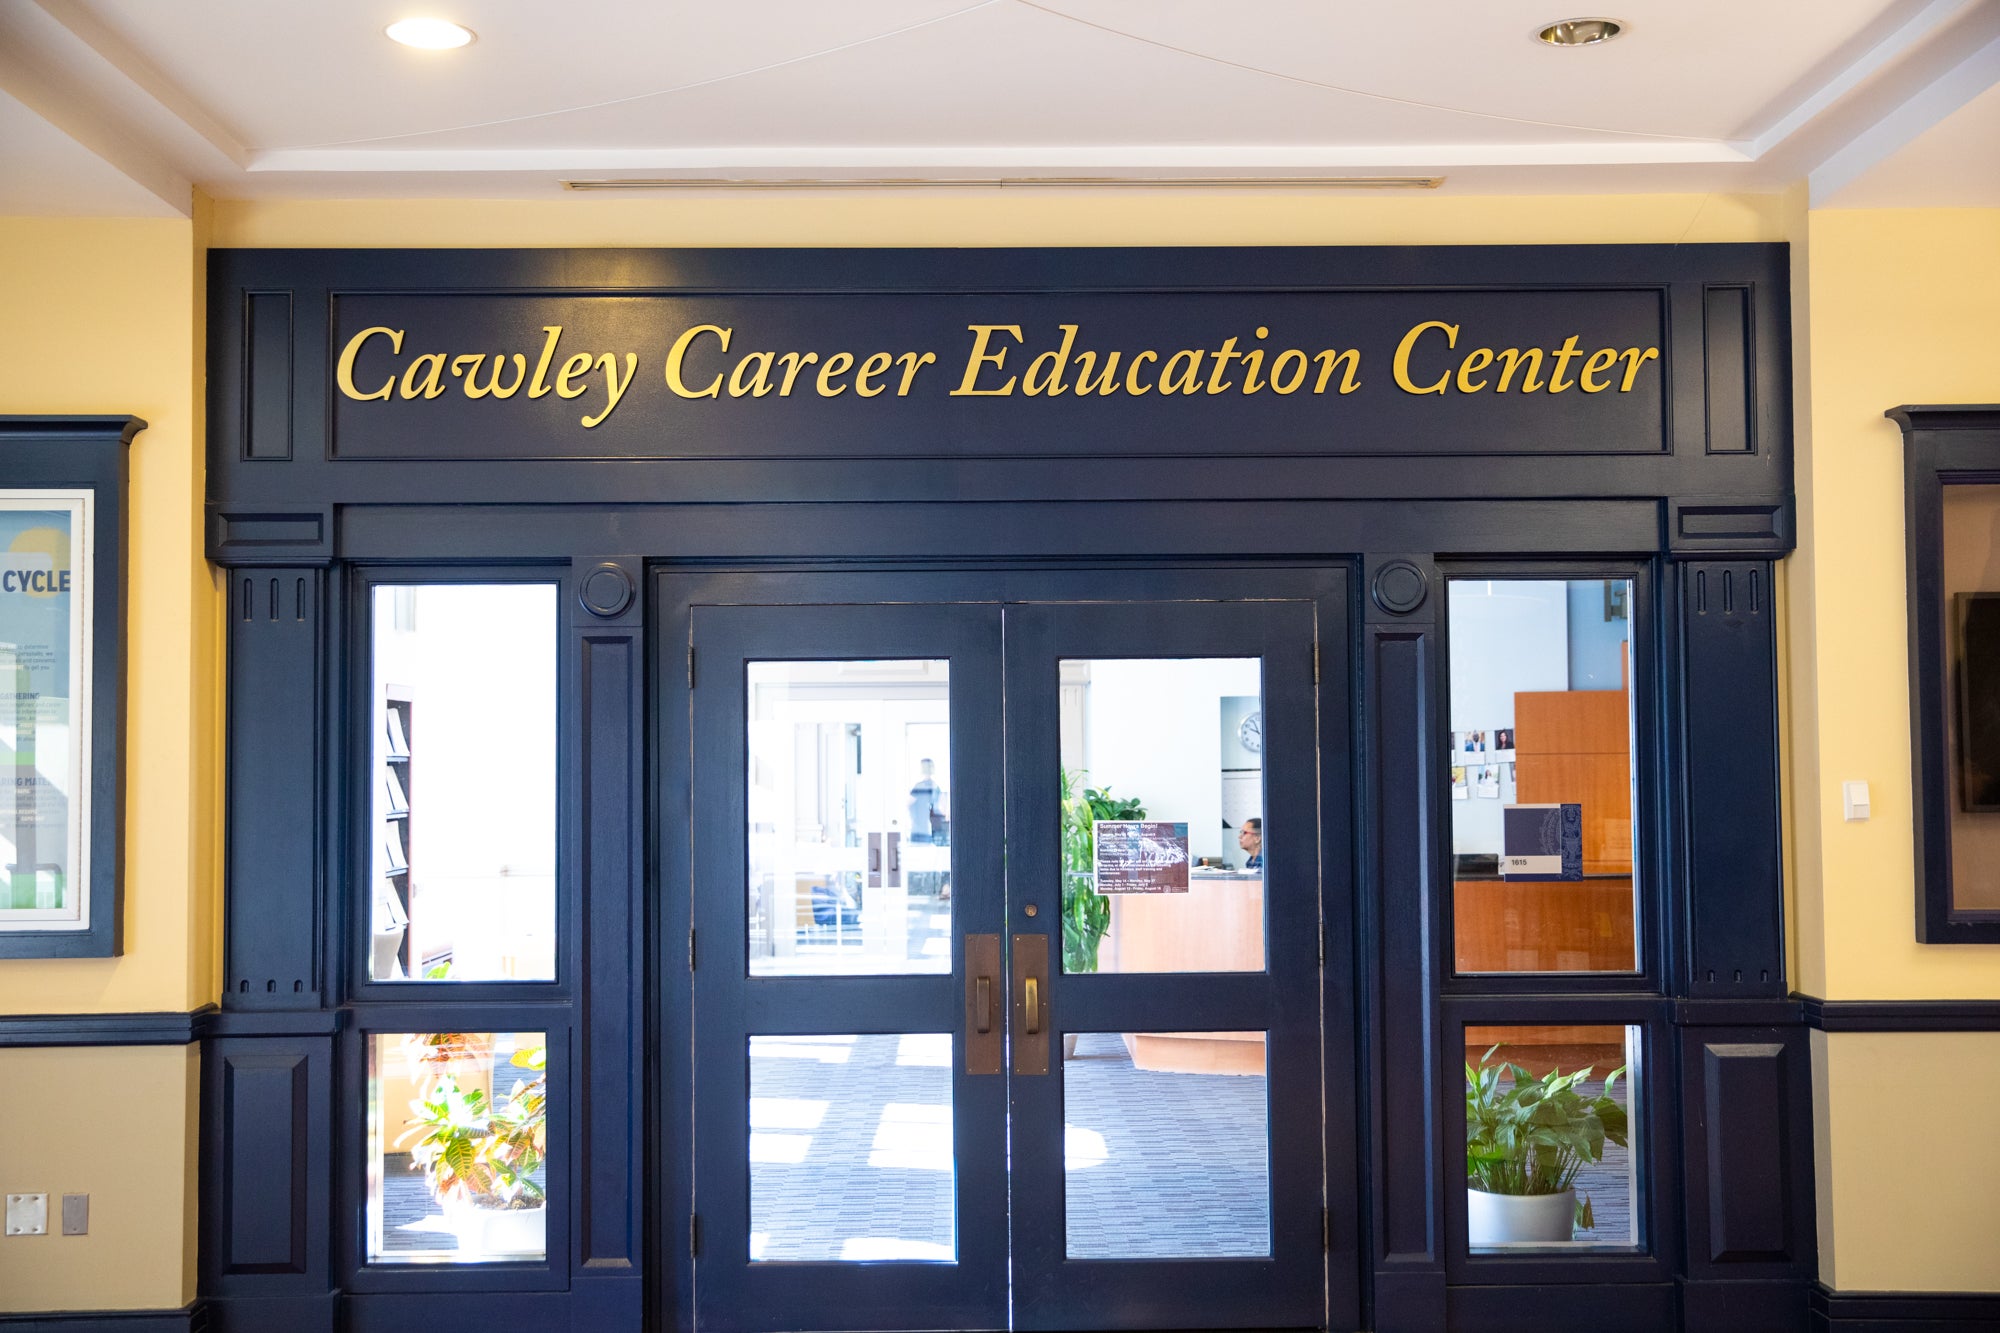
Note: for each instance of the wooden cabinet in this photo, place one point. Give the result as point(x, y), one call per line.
point(1570, 746)
point(1575, 746)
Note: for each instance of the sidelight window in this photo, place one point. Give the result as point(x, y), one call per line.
point(462, 783)
point(458, 1142)
point(1551, 1137)
point(1542, 779)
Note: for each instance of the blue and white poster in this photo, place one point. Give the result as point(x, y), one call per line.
point(44, 705)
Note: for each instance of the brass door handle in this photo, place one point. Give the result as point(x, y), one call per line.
point(984, 1050)
point(1030, 1026)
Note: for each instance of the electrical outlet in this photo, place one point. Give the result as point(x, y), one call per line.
point(76, 1214)
point(27, 1214)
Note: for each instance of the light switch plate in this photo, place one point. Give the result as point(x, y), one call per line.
point(1854, 801)
point(76, 1214)
point(27, 1214)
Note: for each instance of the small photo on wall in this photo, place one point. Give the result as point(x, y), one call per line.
point(1460, 790)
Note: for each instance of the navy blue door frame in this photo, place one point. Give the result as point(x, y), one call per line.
point(1364, 511)
point(1283, 615)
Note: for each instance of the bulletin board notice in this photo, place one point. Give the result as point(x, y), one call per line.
point(1140, 856)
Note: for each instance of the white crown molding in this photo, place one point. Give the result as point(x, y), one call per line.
point(1938, 99)
point(35, 77)
point(1176, 160)
point(167, 112)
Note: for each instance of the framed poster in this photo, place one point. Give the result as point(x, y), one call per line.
point(62, 683)
point(45, 708)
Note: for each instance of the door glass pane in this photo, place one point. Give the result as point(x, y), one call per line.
point(1972, 620)
point(457, 1133)
point(1163, 837)
point(1575, 1182)
point(463, 783)
point(849, 804)
point(851, 1148)
point(1541, 775)
point(1165, 1146)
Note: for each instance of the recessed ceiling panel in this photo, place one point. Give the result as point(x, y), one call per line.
point(1701, 69)
point(874, 73)
point(291, 75)
point(1007, 74)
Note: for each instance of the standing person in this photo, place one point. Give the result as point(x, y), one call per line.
point(1250, 838)
point(926, 803)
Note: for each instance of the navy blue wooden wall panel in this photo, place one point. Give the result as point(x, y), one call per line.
point(1400, 856)
point(266, 1128)
point(273, 885)
point(607, 637)
point(1729, 639)
point(1747, 1117)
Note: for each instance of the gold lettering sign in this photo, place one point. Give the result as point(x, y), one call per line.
point(709, 361)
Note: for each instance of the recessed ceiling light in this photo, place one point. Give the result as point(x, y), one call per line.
point(428, 34)
point(1581, 32)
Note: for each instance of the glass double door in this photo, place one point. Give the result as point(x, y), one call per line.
point(1007, 1005)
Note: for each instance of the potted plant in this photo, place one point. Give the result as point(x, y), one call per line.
point(480, 1158)
point(1525, 1140)
point(1086, 913)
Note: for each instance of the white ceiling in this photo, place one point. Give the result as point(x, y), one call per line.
point(124, 106)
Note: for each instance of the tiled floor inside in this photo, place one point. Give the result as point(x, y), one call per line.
point(851, 1153)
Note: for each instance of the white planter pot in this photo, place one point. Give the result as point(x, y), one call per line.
point(499, 1233)
point(1501, 1219)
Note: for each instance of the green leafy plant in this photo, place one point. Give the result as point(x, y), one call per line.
point(1528, 1135)
point(1086, 913)
point(470, 1150)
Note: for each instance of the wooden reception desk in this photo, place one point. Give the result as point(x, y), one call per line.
point(1216, 926)
point(1581, 925)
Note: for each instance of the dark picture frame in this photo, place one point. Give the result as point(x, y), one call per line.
point(1944, 445)
point(1975, 671)
point(69, 457)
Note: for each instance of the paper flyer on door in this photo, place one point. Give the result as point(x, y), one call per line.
point(1141, 856)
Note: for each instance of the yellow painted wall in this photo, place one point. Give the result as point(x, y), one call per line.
point(1896, 1104)
point(104, 316)
point(116, 1123)
point(1905, 308)
point(101, 315)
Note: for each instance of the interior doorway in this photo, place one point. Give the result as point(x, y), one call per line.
point(1006, 921)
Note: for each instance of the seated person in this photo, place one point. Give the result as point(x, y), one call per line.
point(1250, 838)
